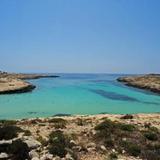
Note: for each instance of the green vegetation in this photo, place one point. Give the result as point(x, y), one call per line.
point(151, 136)
point(132, 148)
point(9, 132)
point(27, 133)
point(127, 116)
point(144, 143)
point(7, 122)
point(42, 141)
point(58, 143)
point(113, 156)
point(79, 122)
point(127, 127)
point(18, 150)
point(59, 123)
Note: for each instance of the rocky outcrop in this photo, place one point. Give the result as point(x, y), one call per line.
point(99, 137)
point(150, 82)
point(14, 83)
point(25, 76)
point(9, 86)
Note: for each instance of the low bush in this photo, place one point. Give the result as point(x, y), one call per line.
point(7, 122)
point(9, 132)
point(43, 141)
point(27, 133)
point(151, 135)
point(113, 156)
point(19, 150)
point(57, 120)
point(127, 116)
point(79, 122)
point(59, 123)
point(58, 143)
point(127, 127)
point(131, 148)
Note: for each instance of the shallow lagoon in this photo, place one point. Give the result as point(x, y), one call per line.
point(78, 94)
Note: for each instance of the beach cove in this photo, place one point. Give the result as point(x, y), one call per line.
point(78, 94)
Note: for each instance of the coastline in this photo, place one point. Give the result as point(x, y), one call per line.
point(149, 82)
point(11, 83)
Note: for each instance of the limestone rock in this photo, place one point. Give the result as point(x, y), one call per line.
point(32, 143)
point(3, 155)
point(33, 154)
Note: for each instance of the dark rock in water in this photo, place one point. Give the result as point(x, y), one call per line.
point(104, 113)
point(61, 115)
point(32, 112)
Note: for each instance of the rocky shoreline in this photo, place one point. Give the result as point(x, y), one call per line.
point(15, 83)
point(92, 137)
point(149, 82)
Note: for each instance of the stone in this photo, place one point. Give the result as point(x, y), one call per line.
point(32, 143)
point(3, 155)
point(47, 157)
point(56, 158)
point(6, 142)
point(103, 148)
point(72, 143)
point(68, 157)
point(91, 145)
point(33, 154)
point(35, 158)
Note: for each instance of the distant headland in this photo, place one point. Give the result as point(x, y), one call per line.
point(15, 82)
point(150, 82)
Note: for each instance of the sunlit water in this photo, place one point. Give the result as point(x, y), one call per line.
point(78, 94)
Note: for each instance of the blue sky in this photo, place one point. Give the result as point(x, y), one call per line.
point(102, 36)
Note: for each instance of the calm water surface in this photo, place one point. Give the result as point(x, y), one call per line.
point(78, 94)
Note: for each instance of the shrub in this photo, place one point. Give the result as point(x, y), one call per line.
point(59, 123)
point(19, 150)
point(127, 116)
point(131, 148)
point(113, 156)
point(42, 141)
point(7, 122)
point(106, 125)
point(109, 142)
point(27, 133)
point(79, 122)
point(58, 143)
point(151, 155)
point(57, 120)
point(9, 132)
point(127, 127)
point(151, 136)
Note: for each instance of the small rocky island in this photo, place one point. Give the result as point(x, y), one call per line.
point(15, 82)
point(150, 82)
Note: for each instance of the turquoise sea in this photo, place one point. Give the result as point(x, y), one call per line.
point(78, 94)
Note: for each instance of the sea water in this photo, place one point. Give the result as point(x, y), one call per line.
point(78, 94)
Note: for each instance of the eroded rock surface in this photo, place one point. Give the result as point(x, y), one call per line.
point(149, 82)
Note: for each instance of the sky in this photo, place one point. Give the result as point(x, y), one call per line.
point(80, 36)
